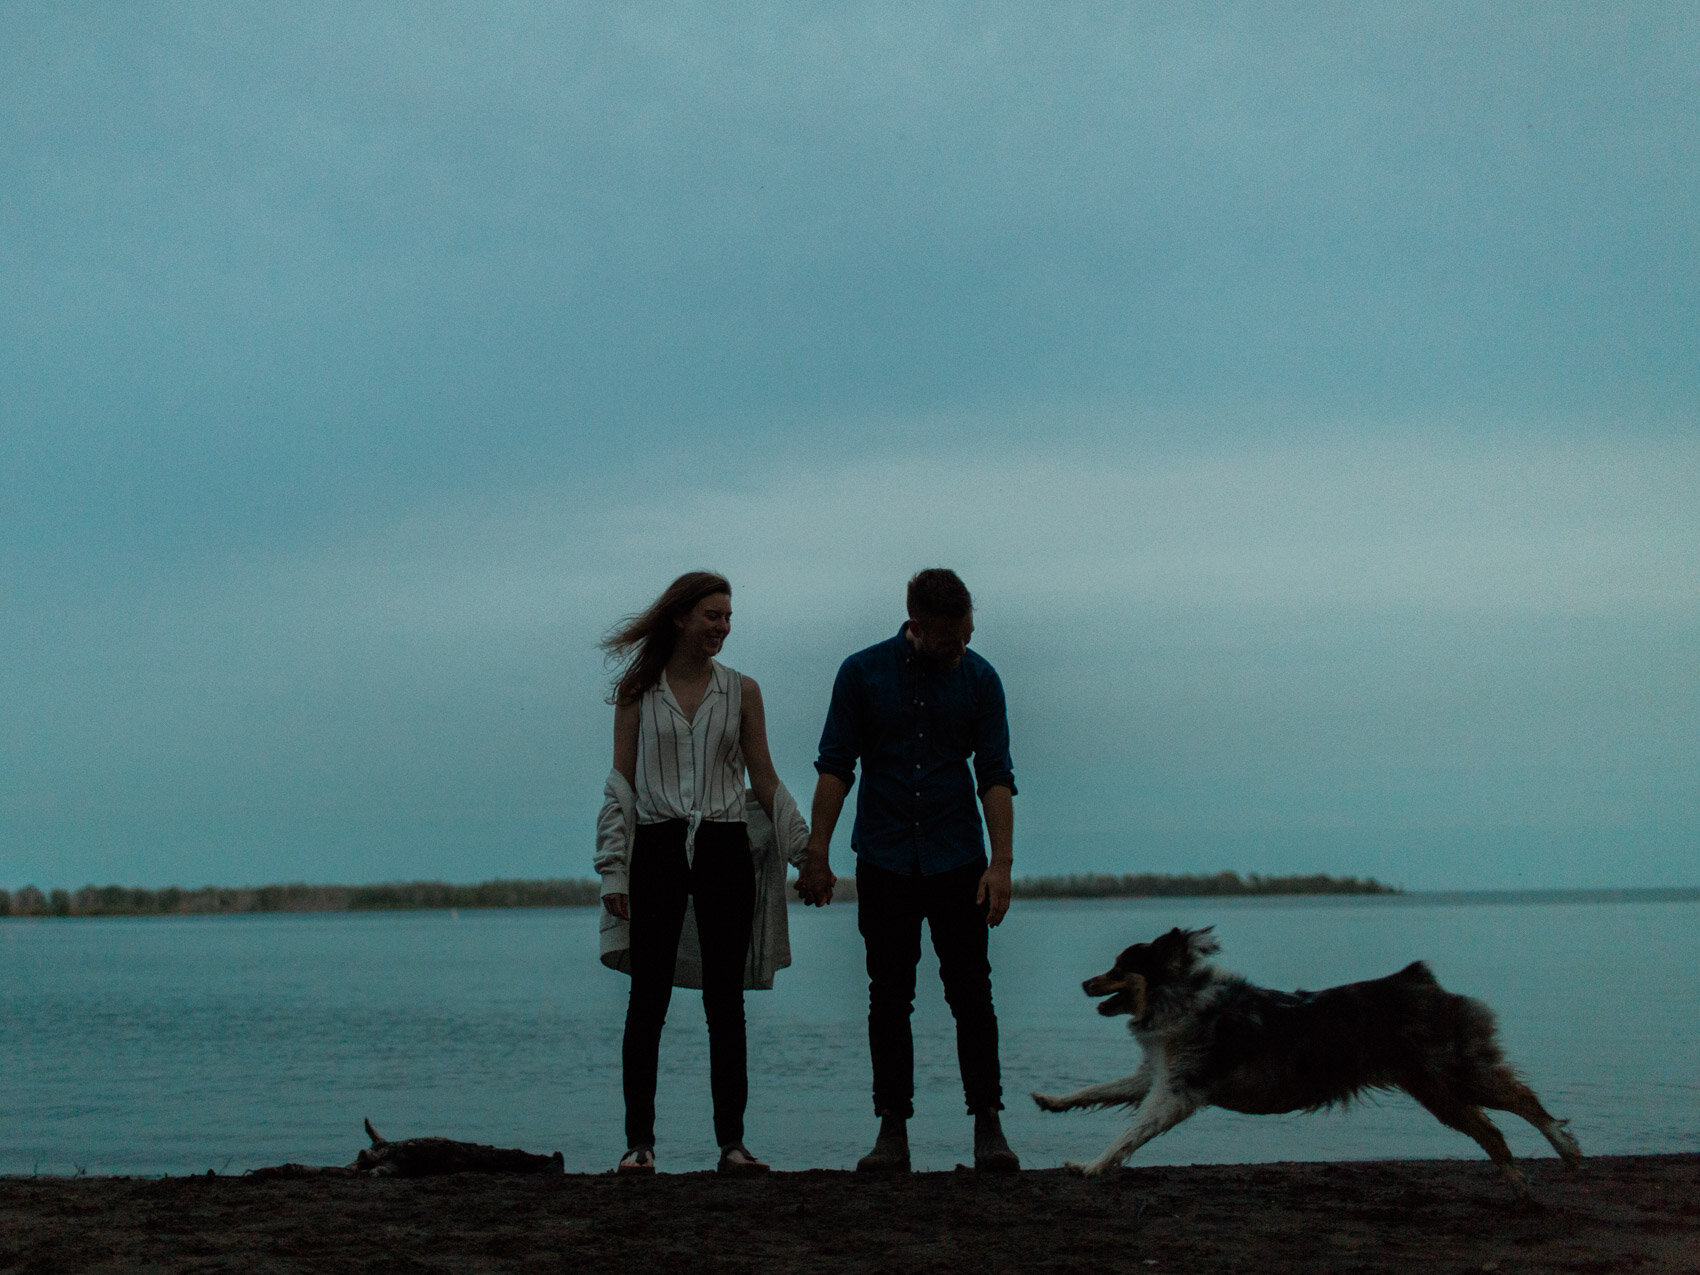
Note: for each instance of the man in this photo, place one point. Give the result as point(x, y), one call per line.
point(914, 709)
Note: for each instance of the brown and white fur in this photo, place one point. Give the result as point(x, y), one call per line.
point(1211, 1039)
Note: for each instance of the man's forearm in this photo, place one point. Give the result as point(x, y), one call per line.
point(828, 804)
point(999, 805)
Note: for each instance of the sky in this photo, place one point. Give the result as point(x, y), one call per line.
point(1309, 394)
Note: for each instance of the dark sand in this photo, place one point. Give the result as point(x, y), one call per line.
point(1617, 1214)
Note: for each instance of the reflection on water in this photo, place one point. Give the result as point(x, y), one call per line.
point(179, 1045)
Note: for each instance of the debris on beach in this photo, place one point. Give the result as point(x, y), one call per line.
point(419, 1158)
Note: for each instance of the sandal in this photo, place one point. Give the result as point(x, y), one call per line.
point(735, 1159)
point(637, 1160)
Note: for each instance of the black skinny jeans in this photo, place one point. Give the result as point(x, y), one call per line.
point(721, 880)
point(890, 909)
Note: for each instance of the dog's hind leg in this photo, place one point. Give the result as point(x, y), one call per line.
point(1505, 1092)
point(1471, 1121)
point(1124, 1092)
point(1161, 1111)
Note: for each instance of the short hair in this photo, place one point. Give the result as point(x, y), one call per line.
point(939, 594)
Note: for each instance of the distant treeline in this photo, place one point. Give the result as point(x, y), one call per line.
point(1148, 885)
point(117, 900)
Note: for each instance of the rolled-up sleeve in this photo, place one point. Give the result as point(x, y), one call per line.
point(840, 745)
point(992, 765)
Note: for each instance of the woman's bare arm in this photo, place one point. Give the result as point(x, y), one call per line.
point(626, 741)
point(752, 737)
point(625, 761)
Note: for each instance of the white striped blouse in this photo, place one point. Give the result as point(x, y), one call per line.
point(691, 769)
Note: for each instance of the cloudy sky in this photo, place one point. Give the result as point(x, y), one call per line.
point(1310, 394)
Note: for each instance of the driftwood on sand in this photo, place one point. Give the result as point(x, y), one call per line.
point(419, 1158)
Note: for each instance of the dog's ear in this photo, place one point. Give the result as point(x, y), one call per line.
point(1203, 942)
point(1179, 950)
point(1173, 950)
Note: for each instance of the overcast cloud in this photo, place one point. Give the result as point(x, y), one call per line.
point(1309, 395)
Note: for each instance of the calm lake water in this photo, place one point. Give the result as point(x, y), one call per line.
point(153, 1046)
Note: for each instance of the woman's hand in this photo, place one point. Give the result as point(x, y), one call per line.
point(815, 881)
point(617, 905)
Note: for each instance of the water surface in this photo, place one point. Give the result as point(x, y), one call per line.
point(175, 1045)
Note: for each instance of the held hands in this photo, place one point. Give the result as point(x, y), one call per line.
point(617, 905)
point(815, 881)
point(994, 892)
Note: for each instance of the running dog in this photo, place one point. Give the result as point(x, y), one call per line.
point(1211, 1039)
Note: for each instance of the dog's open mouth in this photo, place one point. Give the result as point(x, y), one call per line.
point(1122, 993)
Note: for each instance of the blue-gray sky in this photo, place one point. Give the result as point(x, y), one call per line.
point(1309, 394)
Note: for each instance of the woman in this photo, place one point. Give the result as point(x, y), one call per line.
point(673, 829)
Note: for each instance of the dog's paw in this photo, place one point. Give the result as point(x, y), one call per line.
point(1046, 1102)
point(1078, 1170)
point(1522, 1195)
point(1565, 1143)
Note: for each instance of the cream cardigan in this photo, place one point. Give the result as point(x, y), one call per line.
point(770, 849)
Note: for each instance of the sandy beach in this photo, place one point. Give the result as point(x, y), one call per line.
point(1637, 1213)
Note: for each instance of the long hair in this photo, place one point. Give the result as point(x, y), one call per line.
point(640, 645)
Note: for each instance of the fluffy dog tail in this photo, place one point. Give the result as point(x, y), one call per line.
point(1463, 1045)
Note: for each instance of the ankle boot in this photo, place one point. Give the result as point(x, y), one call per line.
point(891, 1148)
point(991, 1149)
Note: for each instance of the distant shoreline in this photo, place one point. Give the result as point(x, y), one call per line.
point(416, 896)
point(421, 896)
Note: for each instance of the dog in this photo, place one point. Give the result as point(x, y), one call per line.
point(1211, 1039)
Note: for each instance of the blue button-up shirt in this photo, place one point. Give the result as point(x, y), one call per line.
point(914, 728)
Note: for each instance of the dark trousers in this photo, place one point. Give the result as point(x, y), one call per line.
point(890, 909)
point(721, 880)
